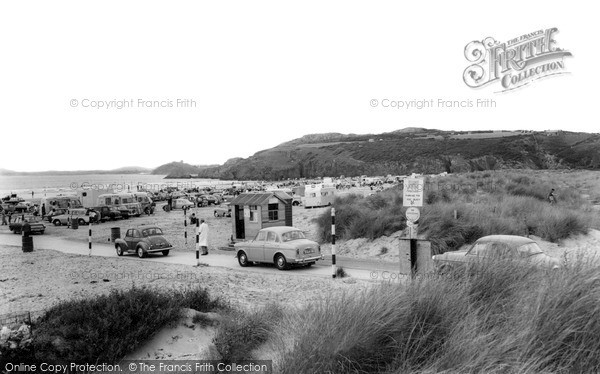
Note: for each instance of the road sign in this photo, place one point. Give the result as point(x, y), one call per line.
point(413, 214)
point(413, 192)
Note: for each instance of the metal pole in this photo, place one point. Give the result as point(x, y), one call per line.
point(333, 267)
point(185, 225)
point(90, 238)
point(197, 242)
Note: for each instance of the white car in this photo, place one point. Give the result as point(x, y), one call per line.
point(180, 203)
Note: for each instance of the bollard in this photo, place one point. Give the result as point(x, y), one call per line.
point(90, 239)
point(185, 225)
point(333, 267)
point(197, 242)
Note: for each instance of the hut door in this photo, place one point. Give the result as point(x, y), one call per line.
point(239, 222)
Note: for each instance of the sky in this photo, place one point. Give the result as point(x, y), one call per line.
point(105, 84)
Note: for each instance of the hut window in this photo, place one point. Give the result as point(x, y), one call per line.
point(273, 212)
point(253, 213)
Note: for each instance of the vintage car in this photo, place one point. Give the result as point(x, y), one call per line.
point(80, 214)
point(53, 213)
point(223, 211)
point(106, 213)
point(143, 240)
point(35, 226)
point(283, 246)
point(497, 248)
point(180, 204)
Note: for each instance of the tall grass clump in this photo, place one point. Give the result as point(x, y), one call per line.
point(106, 328)
point(497, 319)
point(240, 332)
point(364, 217)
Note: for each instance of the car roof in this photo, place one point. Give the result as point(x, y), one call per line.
point(280, 229)
point(147, 227)
point(509, 239)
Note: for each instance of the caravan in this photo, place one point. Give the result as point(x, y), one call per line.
point(315, 195)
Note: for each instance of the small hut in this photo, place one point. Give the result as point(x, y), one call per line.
point(254, 211)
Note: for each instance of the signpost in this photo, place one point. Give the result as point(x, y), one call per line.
point(412, 198)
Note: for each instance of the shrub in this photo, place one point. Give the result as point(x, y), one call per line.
point(106, 328)
point(240, 332)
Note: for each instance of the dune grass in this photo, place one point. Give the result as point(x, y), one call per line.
point(461, 208)
point(106, 328)
point(491, 319)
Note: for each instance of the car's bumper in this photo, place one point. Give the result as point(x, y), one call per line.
point(306, 259)
point(159, 249)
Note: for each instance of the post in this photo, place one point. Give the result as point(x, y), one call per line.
point(185, 224)
point(198, 242)
point(333, 267)
point(90, 238)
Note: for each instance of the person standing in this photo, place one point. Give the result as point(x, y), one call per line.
point(43, 209)
point(3, 214)
point(551, 197)
point(203, 237)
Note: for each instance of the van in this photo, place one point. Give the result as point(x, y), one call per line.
point(145, 201)
point(124, 202)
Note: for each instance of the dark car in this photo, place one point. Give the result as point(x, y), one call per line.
point(35, 226)
point(142, 241)
point(106, 213)
point(497, 247)
point(283, 246)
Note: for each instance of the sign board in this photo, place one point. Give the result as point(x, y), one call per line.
point(413, 191)
point(413, 214)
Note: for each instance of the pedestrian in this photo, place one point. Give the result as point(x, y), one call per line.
point(3, 213)
point(170, 201)
point(32, 194)
point(43, 209)
point(193, 219)
point(551, 197)
point(9, 217)
point(203, 237)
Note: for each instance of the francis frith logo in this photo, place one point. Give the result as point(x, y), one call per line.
point(514, 63)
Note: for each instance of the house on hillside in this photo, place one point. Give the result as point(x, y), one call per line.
point(256, 210)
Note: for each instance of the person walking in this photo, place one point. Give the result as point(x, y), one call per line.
point(551, 197)
point(3, 213)
point(203, 237)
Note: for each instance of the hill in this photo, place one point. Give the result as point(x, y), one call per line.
point(180, 169)
point(122, 170)
point(414, 150)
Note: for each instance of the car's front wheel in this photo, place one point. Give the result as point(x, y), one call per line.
point(140, 252)
point(119, 250)
point(81, 221)
point(280, 262)
point(56, 222)
point(243, 259)
point(165, 253)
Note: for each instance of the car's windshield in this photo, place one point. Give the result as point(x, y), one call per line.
point(530, 249)
point(151, 232)
point(292, 235)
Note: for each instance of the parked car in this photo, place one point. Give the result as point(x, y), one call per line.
point(283, 246)
point(53, 213)
point(296, 200)
point(142, 241)
point(211, 199)
point(106, 213)
point(497, 247)
point(180, 204)
point(80, 214)
point(36, 226)
point(223, 211)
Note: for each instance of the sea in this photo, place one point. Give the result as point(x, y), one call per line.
point(53, 185)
